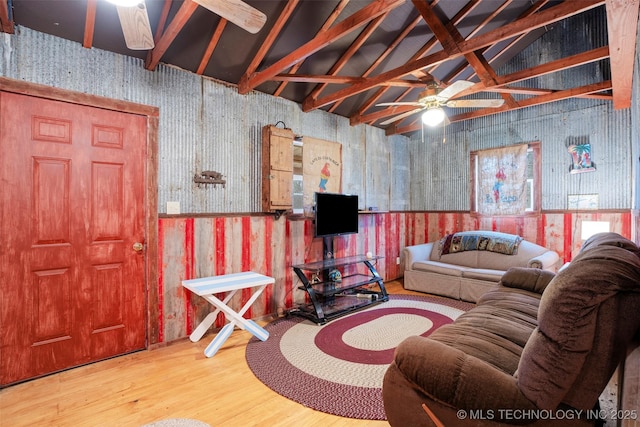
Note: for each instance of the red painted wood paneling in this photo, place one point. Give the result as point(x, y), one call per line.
point(221, 245)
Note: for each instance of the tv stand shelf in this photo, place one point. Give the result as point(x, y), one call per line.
point(330, 299)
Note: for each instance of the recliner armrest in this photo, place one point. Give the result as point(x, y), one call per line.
point(416, 253)
point(529, 279)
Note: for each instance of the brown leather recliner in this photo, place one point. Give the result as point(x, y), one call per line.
point(508, 361)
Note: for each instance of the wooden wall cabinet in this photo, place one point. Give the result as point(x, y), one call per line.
point(277, 169)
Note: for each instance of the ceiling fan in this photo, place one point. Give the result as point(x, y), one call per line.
point(136, 28)
point(433, 98)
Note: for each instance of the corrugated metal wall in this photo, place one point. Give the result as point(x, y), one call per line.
point(203, 125)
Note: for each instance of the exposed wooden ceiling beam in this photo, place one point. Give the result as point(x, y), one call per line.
point(6, 23)
point(89, 23)
point(353, 48)
point(507, 48)
point(540, 19)
point(215, 38)
point(543, 99)
point(372, 99)
point(272, 36)
point(450, 26)
point(334, 79)
point(536, 92)
point(576, 60)
point(327, 24)
point(182, 16)
point(622, 24)
point(162, 22)
point(250, 81)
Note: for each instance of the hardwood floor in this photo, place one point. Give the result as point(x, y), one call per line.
point(176, 381)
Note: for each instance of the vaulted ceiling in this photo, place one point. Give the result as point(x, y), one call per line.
point(348, 56)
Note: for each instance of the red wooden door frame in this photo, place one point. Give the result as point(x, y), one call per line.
point(151, 176)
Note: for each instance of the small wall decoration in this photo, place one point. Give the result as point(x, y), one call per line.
point(581, 160)
point(578, 202)
point(210, 177)
point(322, 168)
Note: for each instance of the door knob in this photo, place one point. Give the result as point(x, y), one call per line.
point(138, 247)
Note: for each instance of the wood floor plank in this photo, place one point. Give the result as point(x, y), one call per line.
point(176, 381)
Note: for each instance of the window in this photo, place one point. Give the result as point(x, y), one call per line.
point(504, 182)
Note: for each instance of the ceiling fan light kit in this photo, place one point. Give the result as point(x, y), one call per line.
point(434, 97)
point(433, 116)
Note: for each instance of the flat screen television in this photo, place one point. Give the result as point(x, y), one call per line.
point(336, 214)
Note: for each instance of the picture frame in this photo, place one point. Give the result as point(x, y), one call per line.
point(582, 202)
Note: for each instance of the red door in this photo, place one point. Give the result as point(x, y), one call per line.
point(72, 210)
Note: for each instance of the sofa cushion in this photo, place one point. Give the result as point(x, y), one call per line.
point(465, 258)
point(439, 267)
point(483, 274)
point(497, 261)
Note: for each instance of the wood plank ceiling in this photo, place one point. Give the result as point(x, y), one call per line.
point(346, 56)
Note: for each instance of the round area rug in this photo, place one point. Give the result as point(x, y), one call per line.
point(338, 367)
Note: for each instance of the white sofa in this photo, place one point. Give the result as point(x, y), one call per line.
point(466, 265)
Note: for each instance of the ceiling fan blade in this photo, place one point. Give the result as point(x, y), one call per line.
point(475, 103)
point(393, 104)
point(135, 26)
point(238, 12)
point(454, 89)
point(400, 116)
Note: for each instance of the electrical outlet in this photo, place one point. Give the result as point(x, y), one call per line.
point(398, 261)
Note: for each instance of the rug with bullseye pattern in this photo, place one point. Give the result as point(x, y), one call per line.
point(338, 367)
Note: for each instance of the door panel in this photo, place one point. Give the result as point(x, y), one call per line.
point(73, 205)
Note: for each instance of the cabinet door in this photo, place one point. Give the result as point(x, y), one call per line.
point(277, 167)
point(281, 183)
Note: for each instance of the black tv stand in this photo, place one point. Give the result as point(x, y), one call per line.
point(330, 299)
point(327, 247)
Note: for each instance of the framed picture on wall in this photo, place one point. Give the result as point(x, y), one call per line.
point(322, 168)
point(581, 159)
point(578, 202)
